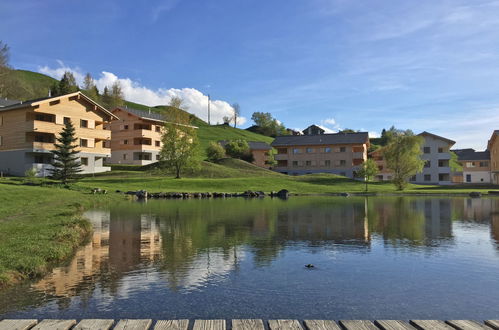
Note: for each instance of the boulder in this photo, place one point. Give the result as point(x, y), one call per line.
point(283, 193)
point(345, 194)
point(475, 194)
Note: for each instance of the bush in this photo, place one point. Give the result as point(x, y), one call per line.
point(215, 152)
point(237, 149)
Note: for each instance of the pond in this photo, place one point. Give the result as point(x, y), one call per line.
point(374, 258)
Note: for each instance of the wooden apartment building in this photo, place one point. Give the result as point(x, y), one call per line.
point(259, 150)
point(28, 131)
point(136, 136)
point(339, 153)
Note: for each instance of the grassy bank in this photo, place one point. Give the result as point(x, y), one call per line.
point(39, 227)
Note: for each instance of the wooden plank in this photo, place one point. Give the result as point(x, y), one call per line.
point(17, 324)
point(358, 325)
point(430, 325)
point(393, 325)
point(55, 325)
point(466, 325)
point(321, 325)
point(172, 325)
point(247, 324)
point(94, 324)
point(494, 324)
point(133, 324)
point(209, 325)
point(284, 325)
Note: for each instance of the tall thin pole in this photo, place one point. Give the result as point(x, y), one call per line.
point(209, 109)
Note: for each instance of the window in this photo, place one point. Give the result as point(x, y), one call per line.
point(1, 140)
point(125, 141)
point(45, 117)
point(83, 143)
point(1, 120)
point(427, 150)
point(327, 149)
point(468, 177)
point(310, 150)
point(413, 178)
point(295, 163)
point(427, 177)
point(157, 143)
point(84, 123)
point(39, 159)
point(484, 164)
point(158, 129)
point(441, 150)
point(124, 156)
point(296, 151)
point(427, 163)
point(282, 151)
point(66, 120)
point(308, 163)
point(157, 157)
point(470, 164)
point(343, 162)
point(327, 163)
point(343, 149)
point(125, 126)
point(380, 167)
point(84, 161)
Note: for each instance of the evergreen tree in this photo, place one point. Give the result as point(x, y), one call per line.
point(106, 98)
point(66, 164)
point(67, 84)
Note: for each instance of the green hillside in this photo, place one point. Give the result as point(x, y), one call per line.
point(29, 85)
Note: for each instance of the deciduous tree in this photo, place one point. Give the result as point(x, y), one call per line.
point(179, 151)
point(368, 170)
point(215, 152)
point(403, 157)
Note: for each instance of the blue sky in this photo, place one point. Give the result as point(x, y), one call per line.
point(363, 64)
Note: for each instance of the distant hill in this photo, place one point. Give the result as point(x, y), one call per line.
point(30, 85)
point(35, 85)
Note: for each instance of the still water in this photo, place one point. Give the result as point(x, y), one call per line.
point(375, 258)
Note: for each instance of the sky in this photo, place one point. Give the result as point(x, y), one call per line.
point(360, 64)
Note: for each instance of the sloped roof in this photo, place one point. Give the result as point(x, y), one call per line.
point(452, 142)
point(6, 102)
point(471, 154)
point(325, 129)
point(319, 139)
point(35, 102)
point(253, 145)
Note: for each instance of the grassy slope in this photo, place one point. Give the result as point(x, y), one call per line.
point(31, 85)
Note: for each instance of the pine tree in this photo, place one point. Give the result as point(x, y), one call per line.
point(67, 84)
point(66, 164)
point(106, 98)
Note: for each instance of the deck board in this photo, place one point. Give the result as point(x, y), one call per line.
point(172, 325)
point(358, 325)
point(393, 325)
point(247, 324)
point(321, 325)
point(467, 325)
point(142, 324)
point(55, 325)
point(94, 324)
point(431, 325)
point(285, 325)
point(17, 324)
point(494, 324)
point(209, 325)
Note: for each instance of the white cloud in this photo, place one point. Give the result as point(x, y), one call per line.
point(329, 121)
point(374, 135)
point(135, 92)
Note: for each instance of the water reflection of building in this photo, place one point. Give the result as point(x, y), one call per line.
point(339, 223)
point(116, 244)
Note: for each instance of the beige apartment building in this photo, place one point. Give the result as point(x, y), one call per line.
point(259, 150)
point(476, 165)
point(136, 136)
point(339, 153)
point(28, 131)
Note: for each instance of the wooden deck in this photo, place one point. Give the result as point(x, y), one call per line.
point(248, 324)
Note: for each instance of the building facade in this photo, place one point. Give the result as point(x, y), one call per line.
point(28, 131)
point(437, 157)
point(476, 165)
point(340, 153)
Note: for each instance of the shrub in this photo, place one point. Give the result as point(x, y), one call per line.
point(215, 152)
point(237, 149)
